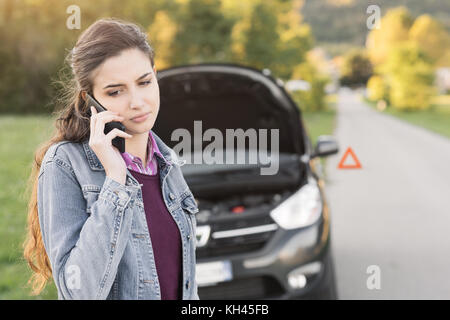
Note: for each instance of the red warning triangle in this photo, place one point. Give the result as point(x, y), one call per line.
point(350, 152)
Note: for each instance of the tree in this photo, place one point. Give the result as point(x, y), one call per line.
point(273, 36)
point(394, 29)
point(377, 88)
point(356, 68)
point(161, 35)
point(295, 38)
point(410, 76)
point(203, 34)
point(432, 39)
point(261, 39)
point(314, 98)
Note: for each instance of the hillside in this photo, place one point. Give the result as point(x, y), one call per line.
point(339, 24)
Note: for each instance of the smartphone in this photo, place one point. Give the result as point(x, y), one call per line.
point(117, 142)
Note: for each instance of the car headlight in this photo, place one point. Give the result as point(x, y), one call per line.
point(301, 209)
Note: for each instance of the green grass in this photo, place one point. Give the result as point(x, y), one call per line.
point(19, 136)
point(319, 123)
point(436, 119)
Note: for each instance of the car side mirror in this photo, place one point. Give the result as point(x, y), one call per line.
point(326, 145)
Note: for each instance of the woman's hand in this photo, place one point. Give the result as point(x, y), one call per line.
point(101, 144)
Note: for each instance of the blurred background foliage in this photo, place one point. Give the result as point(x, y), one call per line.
point(338, 25)
point(34, 39)
point(274, 34)
point(406, 53)
point(400, 61)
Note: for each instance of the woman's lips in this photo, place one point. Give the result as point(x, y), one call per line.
point(142, 118)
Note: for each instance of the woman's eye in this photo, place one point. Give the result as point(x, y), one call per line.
point(145, 82)
point(114, 93)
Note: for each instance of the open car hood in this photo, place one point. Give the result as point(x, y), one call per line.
point(227, 96)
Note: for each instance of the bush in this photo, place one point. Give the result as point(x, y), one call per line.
point(314, 98)
point(410, 75)
point(356, 69)
point(377, 88)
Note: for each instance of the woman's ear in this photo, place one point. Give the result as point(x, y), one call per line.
point(83, 95)
point(154, 69)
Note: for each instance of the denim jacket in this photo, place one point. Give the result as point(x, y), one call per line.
point(94, 228)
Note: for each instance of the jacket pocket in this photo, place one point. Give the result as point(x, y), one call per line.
point(90, 193)
point(189, 204)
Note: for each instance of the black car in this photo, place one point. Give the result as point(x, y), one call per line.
point(259, 236)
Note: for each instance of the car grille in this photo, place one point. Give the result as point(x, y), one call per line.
point(237, 236)
point(247, 288)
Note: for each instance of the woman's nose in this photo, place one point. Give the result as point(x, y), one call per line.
point(136, 102)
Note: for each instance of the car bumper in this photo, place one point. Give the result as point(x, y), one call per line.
point(294, 264)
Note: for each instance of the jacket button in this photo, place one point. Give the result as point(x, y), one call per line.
point(189, 237)
point(187, 284)
point(172, 196)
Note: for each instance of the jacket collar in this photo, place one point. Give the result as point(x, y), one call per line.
point(170, 158)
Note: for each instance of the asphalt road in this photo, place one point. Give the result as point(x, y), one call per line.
point(394, 212)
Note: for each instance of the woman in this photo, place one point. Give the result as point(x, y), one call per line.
point(105, 224)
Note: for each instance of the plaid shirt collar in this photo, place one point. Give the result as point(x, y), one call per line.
point(136, 163)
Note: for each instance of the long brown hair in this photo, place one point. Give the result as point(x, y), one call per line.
point(103, 39)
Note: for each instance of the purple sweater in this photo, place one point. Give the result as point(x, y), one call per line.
point(164, 235)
